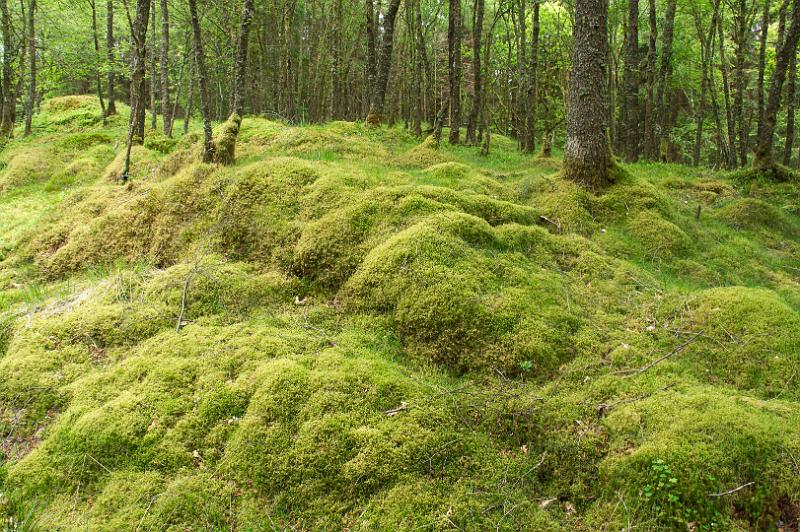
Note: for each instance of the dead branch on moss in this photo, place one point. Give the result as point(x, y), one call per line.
point(675, 351)
point(730, 492)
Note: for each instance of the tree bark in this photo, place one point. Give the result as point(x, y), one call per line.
point(138, 58)
point(726, 88)
point(111, 108)
point(381, 81)
point(587, 155)
point(98, 77)
point(530, 140)
point(477, 72)
point(419, 79)
point(9, 98)
point(153, 76)
point(631, 77)
point(166, 107)
point(32, 67)
point(202, 77)
point(762, 61)
point(454, 70)
point(791, 100)
point(664, 73)
point(240, 65)
point(187, 114)
point(766, 138)
point(649, 104)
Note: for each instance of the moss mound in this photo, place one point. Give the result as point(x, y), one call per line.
point(746, 340)
point(656, 238)
point(423, 155)
point(26, 167)
point(755, 215)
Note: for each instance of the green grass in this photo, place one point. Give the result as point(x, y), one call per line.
point(350, 329)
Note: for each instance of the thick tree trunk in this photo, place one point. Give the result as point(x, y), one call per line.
point(530, 139)
point(632, 78)
point(111, 108)
point(763, 154)
point(454, 69)
point(381, 81)
point(587, 155)
point(649, 104)
point(166, 107)
point(138, 58)
point(664, 73)
point(32, 67)
point(477, 72)
point(202, 77)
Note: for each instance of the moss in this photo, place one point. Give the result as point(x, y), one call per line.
point(746, 341)
point(423, 155)
point(225, 140)
point(25, 167)
point(755, 215)
point(566, 205)
point(143, 163)
point(655, 238)
point(366, 346)
point(698, 441)
point(158, 142)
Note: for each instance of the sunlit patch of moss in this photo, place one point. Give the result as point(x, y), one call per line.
point(143, 163)
point(423, 155)
point(25, 167)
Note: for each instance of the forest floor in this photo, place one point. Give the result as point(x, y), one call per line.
point(349, 329)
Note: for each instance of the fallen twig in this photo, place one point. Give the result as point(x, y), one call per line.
point(675, 351)
point(734, 490)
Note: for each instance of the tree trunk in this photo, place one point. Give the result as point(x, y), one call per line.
point(649, 104)
point(98, 77)
point(731, 127)
point(202, 77)
point(587, 155)
point(9, 98)
point(742, 33)
point(241, 56)
point(454, 70)
point(763, 155)
point(153, 77)
point(664, 73)
point(381, 82)
point(111, 108)
point(419, 79)
point(530, 140)
point(791, 100)
point(138, 58)
point(32, 67)
point(477, 72)
point(631, 77)
point(762, 61)
point(187, 114)
point(166, 107)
